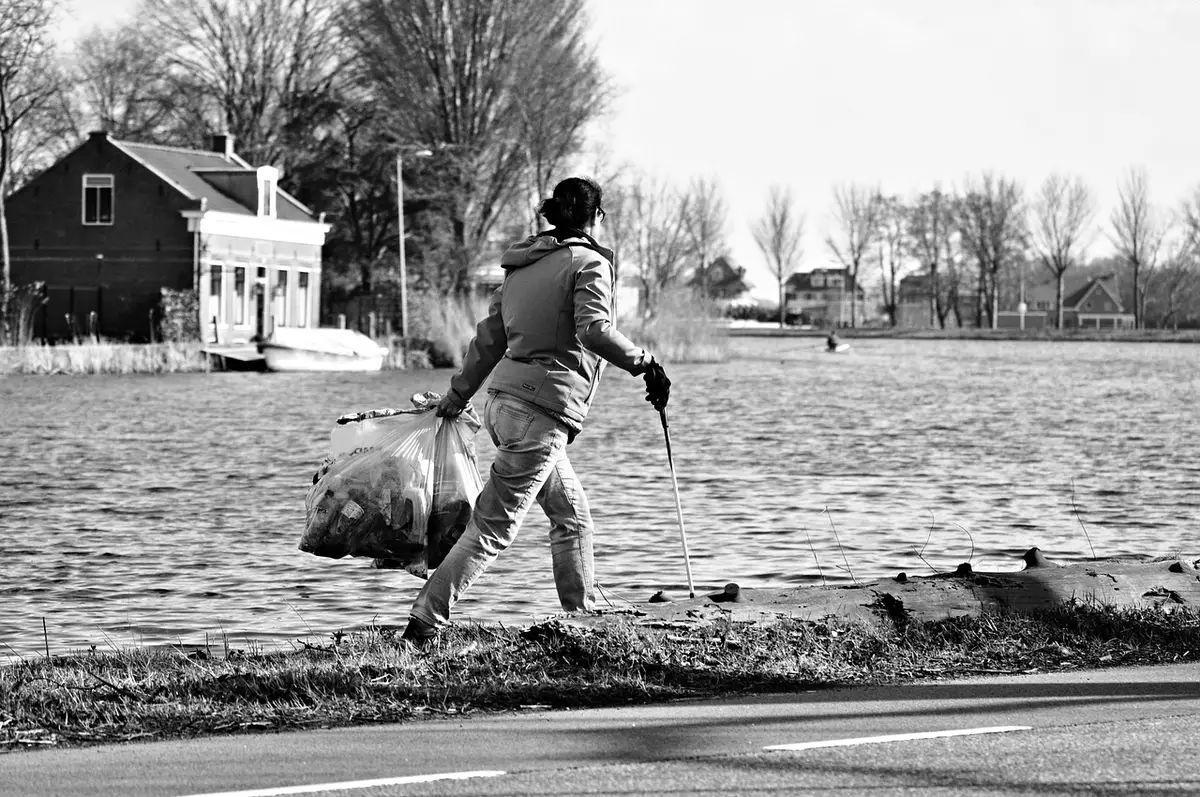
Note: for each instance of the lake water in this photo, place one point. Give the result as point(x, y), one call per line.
point(145, 510)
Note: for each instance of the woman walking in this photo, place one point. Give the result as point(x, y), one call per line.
point(549, 328)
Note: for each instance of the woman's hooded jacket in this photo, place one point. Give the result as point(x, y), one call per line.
point(549, 327)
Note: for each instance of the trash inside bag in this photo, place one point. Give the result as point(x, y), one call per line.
point(399, 487)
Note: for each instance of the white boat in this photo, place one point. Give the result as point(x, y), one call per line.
point(841, 348)
point(321, 349)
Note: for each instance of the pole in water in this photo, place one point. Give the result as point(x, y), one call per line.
point(687, 562)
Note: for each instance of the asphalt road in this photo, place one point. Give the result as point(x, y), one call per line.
point(1127, 731)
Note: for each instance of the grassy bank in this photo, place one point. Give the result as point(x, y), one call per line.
point(972, 333)
point(370, 677)
point(104, 358)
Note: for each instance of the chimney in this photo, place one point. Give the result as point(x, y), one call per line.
point(222, 143)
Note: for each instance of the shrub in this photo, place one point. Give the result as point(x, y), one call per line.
point(24, 301)
point(180, 316)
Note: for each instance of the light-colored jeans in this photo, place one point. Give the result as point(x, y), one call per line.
point(531, 464)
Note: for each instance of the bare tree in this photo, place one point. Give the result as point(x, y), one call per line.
point(706, 221)
point(618, 225)
point(28, 81)
point(1138, 230)
point(1177, 285)
point(478, 77)
point(552, 124)
point(246, 67)
point(893, 252)
point(122, 84)
point(856, 210)
point(1063, 212)
point(991, 221)
point(780, 236)
point(615, 179)
point(952, 281)
point(1178, 288)
point(658, 239)
point(930, 224)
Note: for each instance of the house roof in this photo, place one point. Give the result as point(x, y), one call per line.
point(185, 168)
point(723, 276)
point(1074, 300)
point(802, 280)
point(1076, 289)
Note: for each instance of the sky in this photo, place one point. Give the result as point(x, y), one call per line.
point(903, 94)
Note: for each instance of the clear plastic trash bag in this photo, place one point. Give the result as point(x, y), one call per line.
point(399, 487)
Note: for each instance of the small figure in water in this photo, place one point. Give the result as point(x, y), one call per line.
point(832, 342)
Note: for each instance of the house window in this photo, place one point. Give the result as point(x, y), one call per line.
point(97, 199)
point(216, 293)
point(302, 301)
point(280, 303)
point(239, 295)
point(266, 197)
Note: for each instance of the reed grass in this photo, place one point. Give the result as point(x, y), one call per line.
point(683, 328)
point(440, 330)
point(104, 357)
point(370, 676)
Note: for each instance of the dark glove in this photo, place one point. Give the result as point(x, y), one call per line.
point(658, 386)
point(449, 407)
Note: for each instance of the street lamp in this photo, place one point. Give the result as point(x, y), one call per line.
point(419, 153)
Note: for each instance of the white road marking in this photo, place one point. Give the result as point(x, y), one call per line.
point(353, 784)
point(899, 737)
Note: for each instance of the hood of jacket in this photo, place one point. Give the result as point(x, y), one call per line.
point(535, 247)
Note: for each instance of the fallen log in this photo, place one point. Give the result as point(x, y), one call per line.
point(1042, 584)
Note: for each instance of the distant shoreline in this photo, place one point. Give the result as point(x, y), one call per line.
point(972, 333)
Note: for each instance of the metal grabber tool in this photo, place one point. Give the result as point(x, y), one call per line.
point(662, 414)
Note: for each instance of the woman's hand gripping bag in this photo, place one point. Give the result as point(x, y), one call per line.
point(375, 500)
point(456, 486)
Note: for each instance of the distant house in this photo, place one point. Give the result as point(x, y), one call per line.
point(915, 307)
point(722, 280)
point(823, 297)
point(112, 223)
point(1092, 303)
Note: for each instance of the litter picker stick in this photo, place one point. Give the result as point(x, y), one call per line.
point(687, 562)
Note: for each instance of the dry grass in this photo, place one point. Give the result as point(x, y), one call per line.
point(371, 677)
point(682, 329)
point(104, 358)
point(439, 332)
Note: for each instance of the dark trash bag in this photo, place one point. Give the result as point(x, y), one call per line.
point(399, 487)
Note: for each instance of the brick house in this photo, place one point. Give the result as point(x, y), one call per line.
point(1090, 303)
point(724, 282)
point(112, 223)
point(915, 307)
point(823, 296)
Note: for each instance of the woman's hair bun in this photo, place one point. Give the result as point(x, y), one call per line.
point(574, 203)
